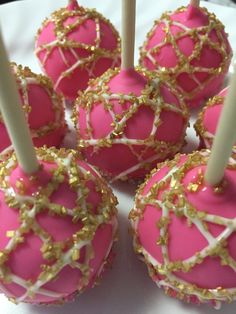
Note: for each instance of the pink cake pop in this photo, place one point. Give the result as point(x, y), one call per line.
point(44, 109)
point(208, 118)
point(126, 119)
point(185, 232)
point(57, 229)
point(74, 45)
point(184, 220)
point(190, 47)
point(58, 217)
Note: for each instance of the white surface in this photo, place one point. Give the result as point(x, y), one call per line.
point(126, 288)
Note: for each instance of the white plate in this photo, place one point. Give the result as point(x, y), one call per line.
point(126, 288)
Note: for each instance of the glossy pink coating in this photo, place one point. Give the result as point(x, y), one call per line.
point(191, 51)
point(86, 50)
point(120, 158)
point(44, 110)
point(26, 260)
point(185, 240)
point(211, 117)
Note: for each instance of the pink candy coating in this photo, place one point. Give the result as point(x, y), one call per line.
point(114, 123)
point(199, 65)
point(193, 232)
point(208, 118)
point(44, 109)
point(74, 45)
point(26, 258)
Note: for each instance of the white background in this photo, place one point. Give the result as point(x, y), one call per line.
point(126, 288)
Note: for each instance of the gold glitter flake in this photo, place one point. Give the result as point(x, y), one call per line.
point(23, 76)
point(10, 234)
point(75, 255)
point(199, 126)
point(164, 273)
point(150, 97)
point(58, 254)
point(58, 18)
point(201, 37)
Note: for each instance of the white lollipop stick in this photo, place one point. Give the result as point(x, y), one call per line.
point(195, 3)
point(224, 138)
point(14, 117)
point(128, 34)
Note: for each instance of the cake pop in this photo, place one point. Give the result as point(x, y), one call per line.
point(75, 44)
point(208, 118)
point(57, 230)
point(44, 109)
point(126, 119)
point(184, 220)
point(58, 216)
point(190, 47)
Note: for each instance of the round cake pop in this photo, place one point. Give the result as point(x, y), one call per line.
point(185, 231)
point(184, 219)
point(58, 217)
point(74, 45)
point(126, 124)
point(208, 118)
point(190, 47)
point(44, 109)
point(126, 119)
point(57, 230)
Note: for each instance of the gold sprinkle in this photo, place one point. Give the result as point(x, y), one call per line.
point(12, 300)
point(75, 255)
point(193, 187)
point(10, 234)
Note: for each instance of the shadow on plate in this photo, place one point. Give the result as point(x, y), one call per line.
point(126, 188)
point(190, 146)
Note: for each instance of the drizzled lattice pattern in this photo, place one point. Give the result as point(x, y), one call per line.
point(174, 200)
point(57, 255)
point(24, 77)
point(201, 38)
point(206, 136)
point(199, 125)
point(151, 96)
point(63, 43)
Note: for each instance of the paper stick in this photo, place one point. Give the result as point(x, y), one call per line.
point(128, 34)
point(195, 3)
point(224, 138)
point(14, 117)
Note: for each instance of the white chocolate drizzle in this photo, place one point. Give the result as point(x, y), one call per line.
point(206, 136)
point(151, 97)
point(201, 37)
point(25, 78)
point(60, 253)
point(63, 43)
point(174, 200)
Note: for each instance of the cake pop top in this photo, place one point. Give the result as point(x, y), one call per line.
point(127, 119)
point(208, 118)
point(184, 220)
point(44, 109)
point(58, 216)
point(190, 47)
point(75, 44)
